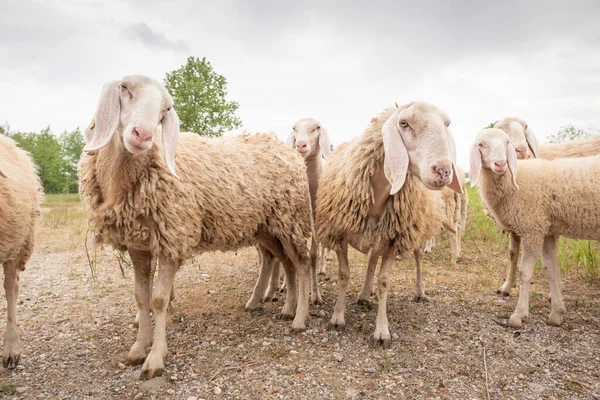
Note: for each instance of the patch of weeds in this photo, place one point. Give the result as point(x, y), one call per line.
point(8, 389)
point(275, 352)
point(366, 306)
point(178, 318)
point(385, 365)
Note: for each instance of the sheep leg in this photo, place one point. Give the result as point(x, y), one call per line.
point(365, 293)
point(382, 329)
point(337, 319)
point(136, 322)
point(12, 346)
point(273, 287)
point(531, 251)
point(298, 273)
point(266, 269)
point(322, 268)
point(429, 245)
point(454, 245)
point(420, 285)
point(511, 275)
point(142, 266)
point(550, 266)
point(154, 364)
point(315, 297)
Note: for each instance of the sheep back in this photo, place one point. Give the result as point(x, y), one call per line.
point(572, 148)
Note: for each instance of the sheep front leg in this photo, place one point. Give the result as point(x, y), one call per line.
point(511, 274)
point(12, 346)
point(382, 329)
point(337, 319)
point(315, 297)
point(155, 362)
point(420, 284)
point(136, 322)
point(266, 269)
point(142, 266)
point(365, 293)
point(273, 287)
point(322, 266)
point(454, 245)
point(550, 266)
point(531, 251)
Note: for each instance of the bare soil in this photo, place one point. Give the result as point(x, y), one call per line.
point(76, 332)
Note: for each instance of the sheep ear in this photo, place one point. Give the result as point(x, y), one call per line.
point(170, 136)
point(475, 166)
point(455, 184)
point(511, 157)
point(395, 161)
point(451, 146)
point(2, 174)
point(106, 120)
point(324, 143)
point(531, 141)
point(291, 139)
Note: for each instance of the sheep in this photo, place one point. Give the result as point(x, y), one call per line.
point(226, 193)
point(454, 209)
point(526, 145)
point(20, 197)
point(539, 200)
point(375, 195)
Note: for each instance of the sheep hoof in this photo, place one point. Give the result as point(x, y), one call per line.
point(503, 293)
point(136, 324)
point(252, 308)
point(153, 367)
point(337, 326)
point(316, 300)
point(363, 302)
point(10, 359)
point(381, 340)
point(515, 322)
point(420, 298)
point(286, 317)
point(555, 319)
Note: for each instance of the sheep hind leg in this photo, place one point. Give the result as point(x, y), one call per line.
point(511, 273)
point(420, 295)
point(322, 264)
point(266, 269)
point(155, 361)
point(365, 293)
point(382, 335)
point(315, 297)
point(12, 346)
point(557, 306)
point(299, 269)
point(273, 287)
point(142, 265)
point(337, 319)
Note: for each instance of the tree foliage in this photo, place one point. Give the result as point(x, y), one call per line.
point(569, 132)
point(200, 94)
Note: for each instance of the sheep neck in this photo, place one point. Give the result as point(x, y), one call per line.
point(496, 189)
point(314, 167)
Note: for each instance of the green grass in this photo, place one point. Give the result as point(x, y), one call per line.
point(8, 389)
point(64, 210)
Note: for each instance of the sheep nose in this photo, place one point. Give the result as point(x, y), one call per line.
point(521, 152)
point(301, 144)
point(142, 134)
point(442, 171)
point(500, 164)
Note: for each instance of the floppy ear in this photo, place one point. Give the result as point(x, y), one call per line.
point(324, 143)
point(475, 167)
point(170, 136)
point(106, 120)
point(291, 139)
point(455, 184)
point(2, 174)
point(531, 141)
point(395, 161)
point(511, 158)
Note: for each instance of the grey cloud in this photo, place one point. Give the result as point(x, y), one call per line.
point(143, 33)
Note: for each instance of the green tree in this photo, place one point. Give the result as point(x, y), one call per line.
point(490, 125)
point(569, 132)
point(71, 145)
point(199, 95)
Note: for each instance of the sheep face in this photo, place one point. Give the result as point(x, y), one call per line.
point(134, 107)
point(416, 139)
point(521, 136)
point(493, 150)
point(310, 138)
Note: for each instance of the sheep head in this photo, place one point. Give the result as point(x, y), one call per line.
point(135, 106)
point(493, 150)
point(416, 139)
point(521, 136)
point(310, 138)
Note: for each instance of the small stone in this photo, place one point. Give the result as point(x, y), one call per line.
point(138, 396)
point(551, 349)
point(217, 390)
point(122, 366)
point(192, 398)
point(171, 391)
point(395, 336)
point(293, 352)
point(20, 367)
point(154, 383)
point(205, 344)
point(212, 343)
point(521, 376)
point(338, 357)
point(21, 389)
point(321, 313)
point(265, 343)
point(287, 339)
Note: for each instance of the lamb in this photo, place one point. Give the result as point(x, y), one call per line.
point(312, 143)
point(225, 194)
point(376, 195)
point(539, 200)
point(20, 196)
point(525, 143)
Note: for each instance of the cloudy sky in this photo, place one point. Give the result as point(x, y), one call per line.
point(340, 62)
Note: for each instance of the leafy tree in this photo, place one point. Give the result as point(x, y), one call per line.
point(71, 145)
point(199, 94)
point(569, 132)
point(490, 125)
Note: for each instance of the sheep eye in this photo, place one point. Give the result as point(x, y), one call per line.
point(123, 86)
point(318, 127)
point(169, 109)
point(403, 123)
point(294, 128)
point(481, 145)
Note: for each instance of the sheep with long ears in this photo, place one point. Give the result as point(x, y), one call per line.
point(179, 195)
point(376, 195)
point(539, 200)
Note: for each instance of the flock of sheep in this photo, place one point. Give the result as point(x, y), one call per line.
point(164, 196)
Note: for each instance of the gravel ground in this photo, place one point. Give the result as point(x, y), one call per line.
point(76, 331)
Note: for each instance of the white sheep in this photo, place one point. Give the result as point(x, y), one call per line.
point(20, 197)
point(538, 200)
point(226, 193)
point(376, 195)
point(526, 145)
